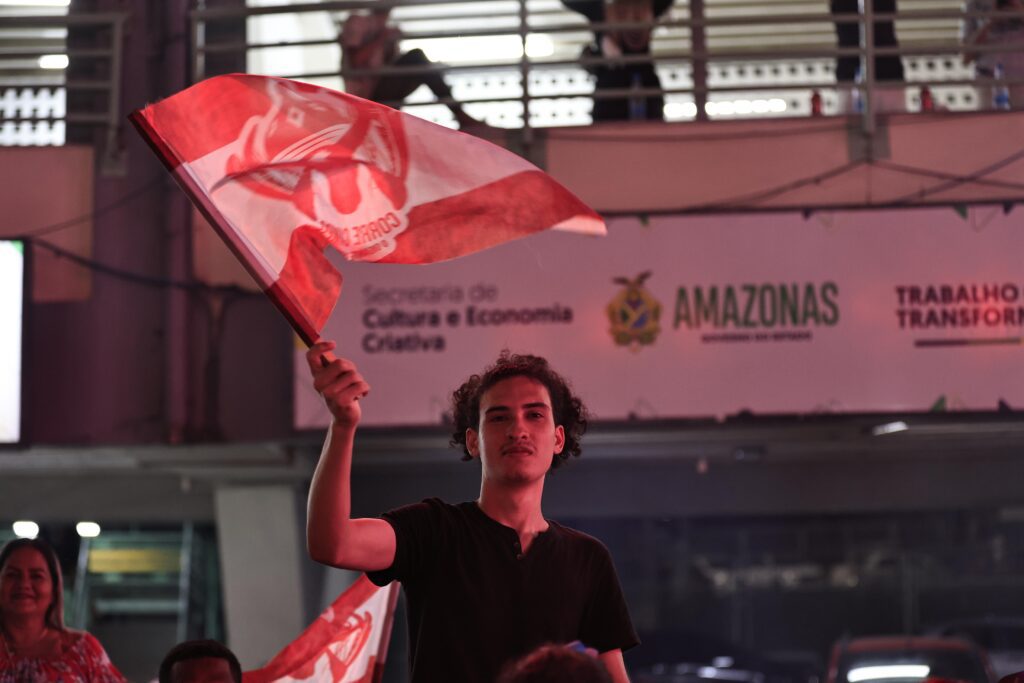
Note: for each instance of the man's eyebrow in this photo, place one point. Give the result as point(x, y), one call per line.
point(495, 409)
point(537, 404)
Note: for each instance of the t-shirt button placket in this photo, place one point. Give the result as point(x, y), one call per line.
point(518, 550)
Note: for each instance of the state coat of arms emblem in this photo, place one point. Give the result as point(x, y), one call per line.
point(634, 313)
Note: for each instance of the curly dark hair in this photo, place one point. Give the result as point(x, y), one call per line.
point(568, 410)
point(198, 649)
point(554, 664)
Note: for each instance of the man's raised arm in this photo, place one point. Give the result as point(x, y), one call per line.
point(332, 536)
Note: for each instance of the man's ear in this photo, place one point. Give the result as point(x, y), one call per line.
point(472, 443)
point(559, 439)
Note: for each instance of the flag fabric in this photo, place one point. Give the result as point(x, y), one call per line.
point(346, 644)
point(283, 170)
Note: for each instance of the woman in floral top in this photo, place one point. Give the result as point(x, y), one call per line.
point(35, 647)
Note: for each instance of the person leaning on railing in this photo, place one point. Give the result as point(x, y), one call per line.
point(34, 643)
point(369, 42)
point(977, 31)
point(886, 67)
point(613, 43)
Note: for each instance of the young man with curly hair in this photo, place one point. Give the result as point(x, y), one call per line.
point(488, 580)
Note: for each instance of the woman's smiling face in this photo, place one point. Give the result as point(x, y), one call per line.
point(26, 587)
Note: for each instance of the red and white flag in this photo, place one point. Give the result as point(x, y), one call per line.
point(346, 644)
point(285, 169)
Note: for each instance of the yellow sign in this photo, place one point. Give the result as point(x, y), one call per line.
point(134, 560)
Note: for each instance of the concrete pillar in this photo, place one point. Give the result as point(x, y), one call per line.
point(261, 549)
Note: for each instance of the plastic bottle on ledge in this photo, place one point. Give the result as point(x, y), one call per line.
point(815, 103)
point(1000, 93)
point(857, 94)
point(637, 102)
point(927, 99)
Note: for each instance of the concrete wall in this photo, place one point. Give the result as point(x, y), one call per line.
point(112, 361)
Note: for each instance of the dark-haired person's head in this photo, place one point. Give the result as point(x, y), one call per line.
point(383, 11)
point(568, 411)
point(556, 664)
point(635, 39)
point(31, 583)
point(200, 661)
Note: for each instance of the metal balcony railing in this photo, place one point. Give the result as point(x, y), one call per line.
point(38, 97)
point(715, 58)
point(512, 63)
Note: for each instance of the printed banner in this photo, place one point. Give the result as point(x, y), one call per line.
point(701, 316)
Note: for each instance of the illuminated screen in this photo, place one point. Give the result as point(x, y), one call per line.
point(12, 314)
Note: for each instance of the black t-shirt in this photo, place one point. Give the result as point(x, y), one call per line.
point(475, 601)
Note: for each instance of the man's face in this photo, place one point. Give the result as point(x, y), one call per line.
point(634, 39)
point(202, 670)
point(26, 587)
point(517, 437)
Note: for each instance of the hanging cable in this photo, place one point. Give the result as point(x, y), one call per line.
point(939, 175)
point(959, 180)
point(136, 278)
point(92, 215)
point(747, 201)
